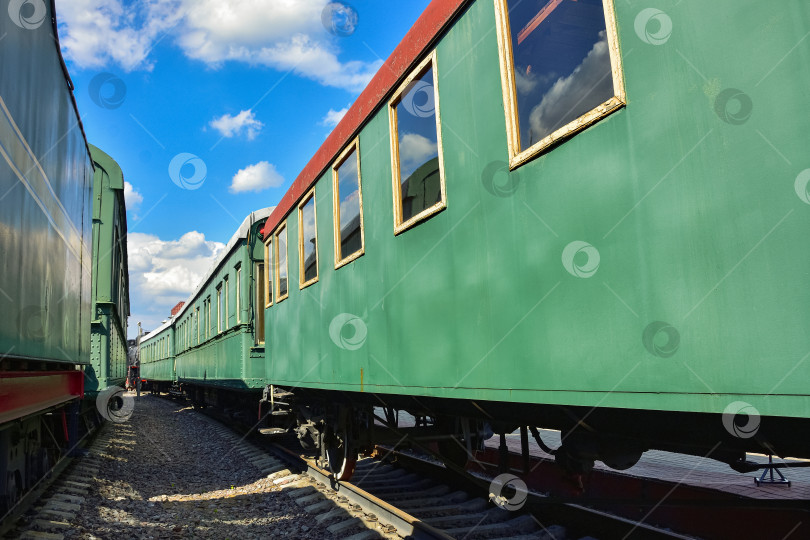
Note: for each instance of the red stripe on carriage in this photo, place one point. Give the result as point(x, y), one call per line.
point(26, 392)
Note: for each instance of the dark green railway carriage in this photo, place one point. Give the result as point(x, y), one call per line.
point(108, 330)
point(210, 345)
point(589, 217)
point(63, 273)
point(46, 179)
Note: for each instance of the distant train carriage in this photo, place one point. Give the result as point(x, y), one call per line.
point(62, 222)
point(157, 359)
point(560, 233)
point(210, 346)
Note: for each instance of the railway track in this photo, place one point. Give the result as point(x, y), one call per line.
point(62, 484)
point(143, 479)
point(46, 511)
point(401, 495)
point(392, 495)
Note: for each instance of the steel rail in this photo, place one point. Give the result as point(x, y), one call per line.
point(547, 509)
point(405, 524)
point(9, 521)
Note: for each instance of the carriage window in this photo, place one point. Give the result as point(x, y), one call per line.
point(259, 333)
point(308, 242)
point(560, 70)
point(348, 206)
point(238, 294)
point(416, 146)
point(219, 309)
point(281, 264)
point(225, 314)
point(268, 264)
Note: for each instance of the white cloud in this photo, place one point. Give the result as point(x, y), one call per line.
point(132, 198)
point(349, 208)
point(286, 35)
point(414, 151)
point(97, 33)
point(245, 122)
point(525, 81)
point(333, 117)
point(164, 272)
point(256, 177)
point(572, 96)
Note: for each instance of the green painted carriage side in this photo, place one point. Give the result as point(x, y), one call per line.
point(45, 203)
point(157, 354)
point(227, 357)
point(696, 221)
point(110, 281)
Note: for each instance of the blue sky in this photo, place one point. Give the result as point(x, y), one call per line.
point(249, 87)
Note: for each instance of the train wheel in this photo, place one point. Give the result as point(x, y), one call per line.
point(341, 456)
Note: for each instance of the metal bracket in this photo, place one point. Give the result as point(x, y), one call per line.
point(767, 475)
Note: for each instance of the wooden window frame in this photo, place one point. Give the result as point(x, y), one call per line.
point(277, 269)
point(401, 226)
point(506, 58)
point(310, 196)
point(353, 146)
point(269, 273)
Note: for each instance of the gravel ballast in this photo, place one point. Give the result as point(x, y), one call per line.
point(172, 473)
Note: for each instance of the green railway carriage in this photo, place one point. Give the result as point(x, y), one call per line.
point(212, 344)
point(157, 357)
point(45, 209)
point(46, 180)
point(61, 333)
point(589, 217)
point(110, 289)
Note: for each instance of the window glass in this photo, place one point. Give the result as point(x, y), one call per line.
point(219, 309)
point(348, 208)
point(268, 265)
point(225, 314)
point(281, 258)
point(259, 331)
point(561, 63)
point(238, 294)
point(309, 241)
point(418, 148)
